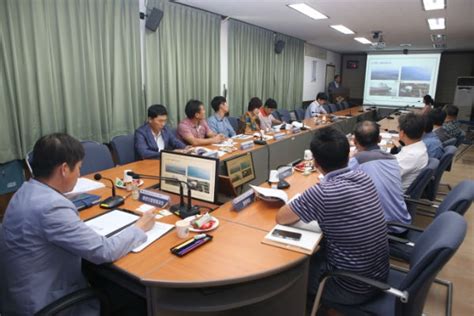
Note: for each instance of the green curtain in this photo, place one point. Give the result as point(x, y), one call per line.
point(182, 58)
point(68, 65)
point(255, 69)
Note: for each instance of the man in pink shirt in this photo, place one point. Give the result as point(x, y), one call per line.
point(194, 129)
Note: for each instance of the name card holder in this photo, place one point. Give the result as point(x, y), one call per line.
point(153, 198)
point(285, 172)
point(278, 136)
point(246, 145)
point(295, 130)
point(243, 200)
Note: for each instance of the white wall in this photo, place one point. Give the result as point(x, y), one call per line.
point(312, 88)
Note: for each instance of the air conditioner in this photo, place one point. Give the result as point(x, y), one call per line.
point(464, 98)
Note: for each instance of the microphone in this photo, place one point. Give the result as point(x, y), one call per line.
point(182, 209)
point(260, 141)
point(112, 201)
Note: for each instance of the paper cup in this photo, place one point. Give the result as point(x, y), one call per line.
point(182, 228)
point(126, 177)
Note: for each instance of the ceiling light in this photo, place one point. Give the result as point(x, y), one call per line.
point(342, 29)
point(440, 46)
point(434, 5)
point(436, 24)
point(307, 10)
point(438, 37)
point(362, 40)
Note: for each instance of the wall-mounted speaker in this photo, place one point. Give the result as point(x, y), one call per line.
point(153, 20)
point(279, 45)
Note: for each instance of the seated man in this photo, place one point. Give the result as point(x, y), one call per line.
point(383, 169)
point(316, 106)
point(433, 144)
point(438, 116)
point(265, 116)
point(154, 136)
point(194, 129)
point(343, 203)
point(413, 156)
point(452, 125)
point(44, 240)
point(219, 123)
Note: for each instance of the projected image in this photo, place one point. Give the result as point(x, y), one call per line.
point(384, 73)
point(416, 73)
point(415, 90)
point(196, 172)
point(175, 169)
point(383, 88)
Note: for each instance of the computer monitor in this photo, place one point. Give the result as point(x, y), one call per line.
point(240, 169)
point(199, 171)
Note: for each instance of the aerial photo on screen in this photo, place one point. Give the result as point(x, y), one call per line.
point(196, 172)
point(415, 90)
point(416, 73)
point(175, 169)
point(383, 88)
point(384, 73)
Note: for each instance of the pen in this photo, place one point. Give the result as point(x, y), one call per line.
point(193, 246)
point(177, 248)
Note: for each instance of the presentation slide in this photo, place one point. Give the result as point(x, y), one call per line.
point(400, 80)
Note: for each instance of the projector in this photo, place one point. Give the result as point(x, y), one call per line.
point(378, 45)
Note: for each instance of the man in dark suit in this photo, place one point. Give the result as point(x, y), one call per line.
point(333, 85)
point(154, 136)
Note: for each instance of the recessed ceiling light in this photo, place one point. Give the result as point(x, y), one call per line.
point(362, 40)
point(437, 23)
point(342, 29)
point(307, 10)
point(440, 45)
point(429, 5)
point(438, 37)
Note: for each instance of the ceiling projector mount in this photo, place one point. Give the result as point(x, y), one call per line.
point(378, 42)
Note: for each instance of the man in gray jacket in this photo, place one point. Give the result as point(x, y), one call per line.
point(43, 240)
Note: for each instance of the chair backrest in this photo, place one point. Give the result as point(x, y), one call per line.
point(459, 199)
point(339, 106)
point(345, 104)
point(416, 188)
point(299, 112)
point(97, 157)
point(333, 107)
point(450, 142)
point(123, 147)
point(284, 115)
point(327, 108)
point(444, 163)
point(460, 140)
point(435, 246)
point(276, 115)
point(234, 122)
point(29, 162)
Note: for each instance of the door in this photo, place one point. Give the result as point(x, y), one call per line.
point(330, 73)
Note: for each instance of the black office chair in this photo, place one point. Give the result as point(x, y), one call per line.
point(97, 157)
point(416, 188)
point(65, 302)
point(333, 107)
point(405, 292)
point(299, 113)
point(284, 115)
point(123, 147)
point(234, 122)
point(444, 163)
point(450, 142)
point(327, 108)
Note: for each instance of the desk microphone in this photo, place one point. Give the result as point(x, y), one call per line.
point(260, 141)
point(112, 201)
point(350, 112)
point(182, 209)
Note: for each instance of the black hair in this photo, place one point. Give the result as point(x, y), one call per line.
point(413, 125)
point(437, 116)
point(53, 150)
point(367, 133)
point(330, 149)
point(156, 110)
point(336, 76)
point(271, 103)
point(427, 99)
point(216, 102)
point(322, 96)
point(192, 107)
point(254, 103)
point(428, 123)
point(451, 110)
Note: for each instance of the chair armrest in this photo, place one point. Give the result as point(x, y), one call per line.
point(408, 199)
point(402, 295)
point(407, 226)
point(400, 240)
point(73, 299)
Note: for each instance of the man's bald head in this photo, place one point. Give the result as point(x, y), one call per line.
point(367, 133)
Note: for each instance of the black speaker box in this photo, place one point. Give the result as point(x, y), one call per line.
point(279, 45)
point(153, 20)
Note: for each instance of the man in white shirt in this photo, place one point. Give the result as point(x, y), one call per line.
point(265, 115)
point(316, 106)
point(413, 156)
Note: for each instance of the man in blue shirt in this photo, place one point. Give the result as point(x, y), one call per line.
point(433, 143)
point(347, 208)
point(384, 171)
point(44, 240)
point(154, 136)
point(316, 107)
point(218, 122)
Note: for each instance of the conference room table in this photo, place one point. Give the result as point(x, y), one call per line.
point(235, 273)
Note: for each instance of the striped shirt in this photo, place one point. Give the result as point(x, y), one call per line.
point(348, 210)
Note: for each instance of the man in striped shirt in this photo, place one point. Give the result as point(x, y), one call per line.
point(348, 210)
